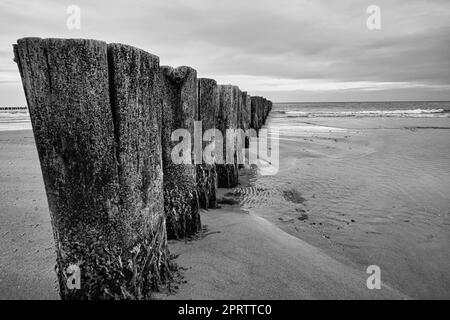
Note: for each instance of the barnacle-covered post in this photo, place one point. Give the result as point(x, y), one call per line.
point(208, 108)
point(227, 169)
point(246, 117)
point(181, 206)
point(237, 101)
point(246, 111)
point(266, 109)
point(260, 112)
point(104, 233)
point(236, 125)
point(240, 132)
point(254, 113)
point(136, 105)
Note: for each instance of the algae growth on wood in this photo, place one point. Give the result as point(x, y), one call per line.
point(179, 89)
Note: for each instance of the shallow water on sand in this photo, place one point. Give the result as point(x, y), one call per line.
point(368, 191)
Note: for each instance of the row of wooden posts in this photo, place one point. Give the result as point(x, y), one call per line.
point(102, 117)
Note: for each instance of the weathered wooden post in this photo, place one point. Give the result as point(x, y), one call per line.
point(260, 112)
point(245, 118)
point(240, 133)
point(227, 170)
point(181, 206)
point(137, 105)
point(105, 235)
point(208, 108)
point(266, 109)
point(263, 109)
point(239, 138)
point(237, 105)
point(246, 111)
point(254, 114)
point(248, 122)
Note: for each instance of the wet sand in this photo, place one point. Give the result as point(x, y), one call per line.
point(367, 191)
point(240, 256)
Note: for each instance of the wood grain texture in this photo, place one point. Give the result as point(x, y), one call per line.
point(179, 88)
point(227, 172)
point(67, 90)
point(96, 185)
point(208, 108)
point(136, 109)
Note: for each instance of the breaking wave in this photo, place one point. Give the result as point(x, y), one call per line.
point(368, 113)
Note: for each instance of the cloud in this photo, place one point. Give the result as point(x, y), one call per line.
point(270, 46)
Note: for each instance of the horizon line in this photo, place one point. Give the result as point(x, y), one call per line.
point(355, 101)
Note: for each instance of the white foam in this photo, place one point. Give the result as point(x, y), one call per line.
point(372, 113)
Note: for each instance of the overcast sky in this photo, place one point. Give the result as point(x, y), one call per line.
point(288, 50)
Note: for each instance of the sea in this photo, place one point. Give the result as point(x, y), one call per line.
point(14, 118)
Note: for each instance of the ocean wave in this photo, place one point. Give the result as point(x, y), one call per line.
point(14, 116)
point(279, 111)
point(369, 113)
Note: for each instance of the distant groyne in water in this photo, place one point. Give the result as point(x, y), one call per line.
point(13, 109)
point(104, 118)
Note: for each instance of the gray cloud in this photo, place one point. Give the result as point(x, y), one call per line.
point(292, 40)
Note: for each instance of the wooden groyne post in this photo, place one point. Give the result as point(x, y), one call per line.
point(103, 189)
point(179, 111)
point(227, 169)
point(208, 108)
point(251, 119)
point(245, 119)
point(106, 121)
point(260, 112)
point(264, 109)
point(246, 111)
point(254, 113)
point(260, 108)
point(137, 105)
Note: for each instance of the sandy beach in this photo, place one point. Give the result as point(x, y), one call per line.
point(27, 251)
point(238, 256)
point(242, 256)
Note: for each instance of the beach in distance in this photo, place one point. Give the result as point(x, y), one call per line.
point(359, 184)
